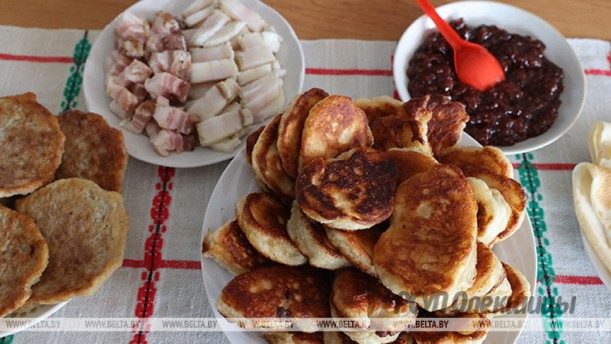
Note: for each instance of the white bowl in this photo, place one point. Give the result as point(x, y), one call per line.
point(138, 146)
point(517, 21)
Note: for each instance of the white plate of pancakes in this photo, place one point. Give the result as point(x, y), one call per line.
point(238, 180)
point(138, 146)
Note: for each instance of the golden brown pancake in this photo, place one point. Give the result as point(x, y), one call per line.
point(493, 211)
point(93, 150)
point(251, 140)
point(400, 131)
point(490, 274)
point(513, 193)
point(466, 336)
point(276, 291)
point(277, 337)
point(446, 122)
point(85, 228)
point(520, 292)
point(357, 246)
point(410, 161)
point(430, 247)
point(267, 166)
point(31, 145)
point(356, 295)
point(333, 126)
point(24, 256)
point(432, 123)
point(291, 126)
point(311, 239)
point(490, 158)
point(354, 191)
point(263, 218)
point(379, 106)
point(229, 247)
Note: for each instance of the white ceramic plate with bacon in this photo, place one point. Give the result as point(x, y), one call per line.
point(290, 57)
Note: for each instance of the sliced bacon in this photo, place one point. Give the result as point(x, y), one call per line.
point(160, 61)
point(118, 110)
point(165, 24)
point(167, 85)
point(124, 98)
point(236, 10)
point(166, 141)
point(176, 62)
point(181, 64)
point(194, 7)
point(215, 100)
point(130, 48)
point(136, 72)
point(132, 28)
point(199, 16)
point(142, 116)
point(211, 25)
point(139, 91)
point(173, 118)
point(174, 42)
point(116, 63)
point(224, 51)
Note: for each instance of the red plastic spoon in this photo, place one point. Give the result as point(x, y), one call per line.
point(474, 65)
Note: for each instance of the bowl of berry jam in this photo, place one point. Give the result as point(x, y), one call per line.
point(544, 88)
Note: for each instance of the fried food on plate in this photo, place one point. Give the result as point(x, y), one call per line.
point(333, 126)
point(291, 126)
point(445, 120)
point(263, 219)
point(353, 191)
point(512, 192)
point(357, 246)
point(410, 161)
point(276, 291)
point(229, 247)
point(24, 257)
point(488, 157)
point(267, 165)
point(493, 211)
point(356, 295)
point(31, 145)
point(430, 247)
point(431, 123)
point(85, 228)
point(311, 239)
point(379, 106)
point(93, 150)
point(490, 285)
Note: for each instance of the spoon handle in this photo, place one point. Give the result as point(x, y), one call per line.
point(444, 28)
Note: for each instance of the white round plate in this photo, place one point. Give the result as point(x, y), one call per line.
point(238, 180)
point(36, 314)
point(514, 20)
point(600, 268)
point(138, 146)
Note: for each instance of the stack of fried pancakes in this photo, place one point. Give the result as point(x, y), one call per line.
point(377, 197)
point(63, 225)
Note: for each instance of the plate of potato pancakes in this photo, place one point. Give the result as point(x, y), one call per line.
point(63, 223)
point(369, 210)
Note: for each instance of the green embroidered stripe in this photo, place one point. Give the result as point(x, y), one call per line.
point(73, 84)
point(551, 310)
point(6, 340)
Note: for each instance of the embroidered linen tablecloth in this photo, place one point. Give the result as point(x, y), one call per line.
point(161, 275)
